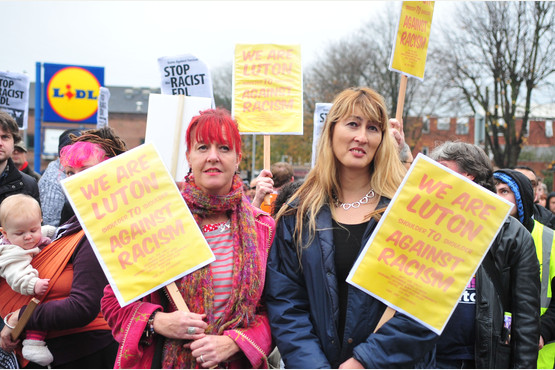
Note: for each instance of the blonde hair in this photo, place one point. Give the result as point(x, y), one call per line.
point(322, 182)
point(20, 204)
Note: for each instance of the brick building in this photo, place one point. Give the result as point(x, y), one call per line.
point(424, 133)
point(128, 112)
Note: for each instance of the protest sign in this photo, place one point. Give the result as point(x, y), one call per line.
point(166, 125)
point(411, 45)
point(429, 243)
point(14, 97)
point(320, 113)
point(139, 226)
point(102, 112)
point(51, 141)
point(185, 75)
point(267, 89)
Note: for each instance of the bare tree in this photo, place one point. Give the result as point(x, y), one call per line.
point(493, 57)
point(222, 78)
point(362, 59)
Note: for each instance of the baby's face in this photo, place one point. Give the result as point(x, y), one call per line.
point(23, 231)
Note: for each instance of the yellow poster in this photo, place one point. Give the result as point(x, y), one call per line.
point(268, 89)
point(429, 243)
point(139, 226)
point(413, 34)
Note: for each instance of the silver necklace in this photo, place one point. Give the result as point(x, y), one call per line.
point(346, 206)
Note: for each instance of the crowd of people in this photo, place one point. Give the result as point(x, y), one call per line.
point(276, 294)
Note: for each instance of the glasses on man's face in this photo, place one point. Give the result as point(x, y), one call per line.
point(534, 183)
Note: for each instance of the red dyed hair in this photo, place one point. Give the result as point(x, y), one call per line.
point(215, 125)
point(78, 154)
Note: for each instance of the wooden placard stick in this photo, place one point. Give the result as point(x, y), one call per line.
point(179, 301)
point(176, 297)
point(33, 303)
point(388, 314)
point(401, 98)
point(267, 164)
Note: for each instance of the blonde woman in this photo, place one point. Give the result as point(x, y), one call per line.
point(317, 319)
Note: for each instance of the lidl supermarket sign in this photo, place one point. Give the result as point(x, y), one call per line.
point(71, 93)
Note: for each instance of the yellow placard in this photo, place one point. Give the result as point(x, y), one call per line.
point(411, 45)
point(267, 89)
point(428, 244)
point(141, 230)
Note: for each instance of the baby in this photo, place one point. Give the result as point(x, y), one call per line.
point(22, 239)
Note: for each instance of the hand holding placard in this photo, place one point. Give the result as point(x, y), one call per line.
point(176, 297)
point(33, 303)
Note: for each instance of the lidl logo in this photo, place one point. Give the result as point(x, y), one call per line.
point(72, 93)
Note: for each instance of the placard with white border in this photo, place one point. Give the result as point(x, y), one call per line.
point(14, 96)
point(429, 242)
point(410, 48)
point(139, 226)
point(268, 89)
point(185, 75)
point(321, 111)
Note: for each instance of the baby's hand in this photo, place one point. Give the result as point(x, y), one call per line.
point(41, 286)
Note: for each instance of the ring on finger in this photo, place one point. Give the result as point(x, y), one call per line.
point(191, 330)
point(201, 360)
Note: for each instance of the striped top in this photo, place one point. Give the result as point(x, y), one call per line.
point(220, 240)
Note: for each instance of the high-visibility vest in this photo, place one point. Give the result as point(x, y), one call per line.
point(545, 245)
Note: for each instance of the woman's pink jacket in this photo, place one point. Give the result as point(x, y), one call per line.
point(128, 323)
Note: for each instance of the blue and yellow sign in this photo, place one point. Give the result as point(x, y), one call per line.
point(71, 93)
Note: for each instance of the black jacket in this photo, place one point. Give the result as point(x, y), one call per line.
point(303, 309)
point(17, 182)
point(517, 266)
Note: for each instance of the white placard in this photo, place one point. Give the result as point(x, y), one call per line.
point(14, 96)
point(185, 75)
point(166, 125)
point(320, 113)
point(102, 112)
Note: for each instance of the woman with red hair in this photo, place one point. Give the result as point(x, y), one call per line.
point(227, 326)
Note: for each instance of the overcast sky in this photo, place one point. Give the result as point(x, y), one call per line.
point(127, 37)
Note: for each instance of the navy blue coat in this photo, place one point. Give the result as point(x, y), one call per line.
point(303, 309)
